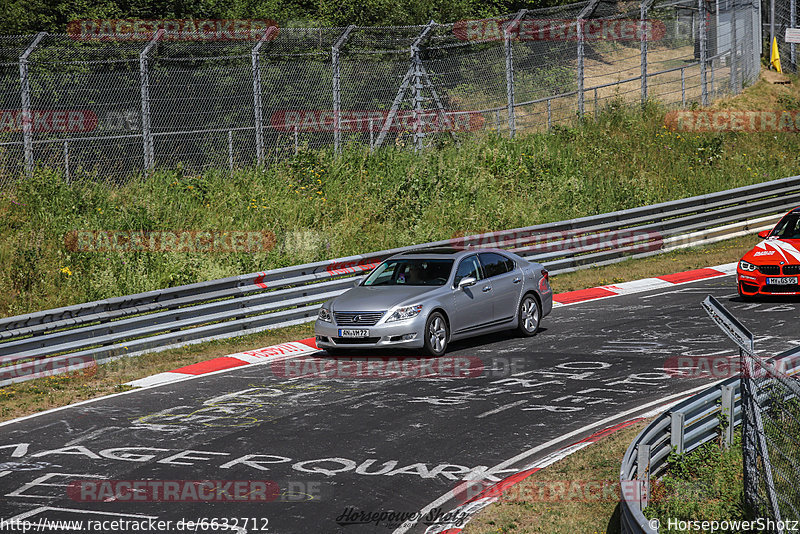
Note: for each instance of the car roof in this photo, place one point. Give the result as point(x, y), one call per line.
point(452, 252)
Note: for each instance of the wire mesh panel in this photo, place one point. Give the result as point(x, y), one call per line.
point(85, 99)
point(11, 150)
point(771, 403)
point(110, 109)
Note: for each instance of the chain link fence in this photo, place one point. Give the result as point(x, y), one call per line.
point(779, 15)
point(771, 440)
point(106, 109)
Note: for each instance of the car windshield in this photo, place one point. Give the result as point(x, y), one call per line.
point(788, 227)
point(410, 272)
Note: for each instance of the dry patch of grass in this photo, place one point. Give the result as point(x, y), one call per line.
point(529, 509)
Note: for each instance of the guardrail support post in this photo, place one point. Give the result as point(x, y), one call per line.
point(337, 99)
point(701, 18)
point(676, 431)
point(509, 50)
point(255, 56)
point(144, 85)
point(728, 400)
point(643, 473)
point(25, 96)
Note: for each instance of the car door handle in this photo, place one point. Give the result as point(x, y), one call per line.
point(487, 288)
point(516, 280)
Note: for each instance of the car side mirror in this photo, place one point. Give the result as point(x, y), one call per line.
point(763, 234)
point(467, 282)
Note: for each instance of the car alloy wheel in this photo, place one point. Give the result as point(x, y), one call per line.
point(436, 334)
point(529, 315)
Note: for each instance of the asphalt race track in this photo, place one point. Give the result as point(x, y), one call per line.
point(342, 447)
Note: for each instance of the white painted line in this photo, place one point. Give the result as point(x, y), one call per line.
point(500, 409)
point(638, 286)
point(405, 527)
point(155, 380)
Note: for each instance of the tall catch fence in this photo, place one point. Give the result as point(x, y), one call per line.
point(109, 109)
point(771, 440)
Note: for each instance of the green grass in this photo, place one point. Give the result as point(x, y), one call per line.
point(703, 485)
point(321, 206)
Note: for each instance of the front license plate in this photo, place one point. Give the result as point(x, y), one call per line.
point(791, 280)
point(353, 333)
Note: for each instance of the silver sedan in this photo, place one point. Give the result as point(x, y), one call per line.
point(424, 299)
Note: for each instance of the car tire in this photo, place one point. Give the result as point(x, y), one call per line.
point(528, 316)
point(436, 334)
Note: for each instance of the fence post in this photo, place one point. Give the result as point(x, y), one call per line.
point(727, 410)
point(549, 115)
point(144, 86)
point(510, 97)
point(676, 422)
point(25, 96)
point(701, 17)
point(643, 45)
point(337, 100)
point(683, 87)
point(66, 160)
point(230, 151)
point(734, 46)
point(416, 89)
point(793, 24)
point(257, 107)
point(579, 30)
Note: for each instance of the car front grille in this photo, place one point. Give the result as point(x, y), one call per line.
point(355, 340)
point(357, 318)
point(791, 269)
point(770, 269)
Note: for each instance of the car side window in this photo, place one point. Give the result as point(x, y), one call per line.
point(495, 264)
point(469, 266)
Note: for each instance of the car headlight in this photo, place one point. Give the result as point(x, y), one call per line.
point(324, 315)
point(407, 312)
point(746, 266)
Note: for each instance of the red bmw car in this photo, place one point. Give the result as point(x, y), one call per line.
point(773, 266)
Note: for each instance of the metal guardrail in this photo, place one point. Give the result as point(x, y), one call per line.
point(79, 336)
point(684, 428)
